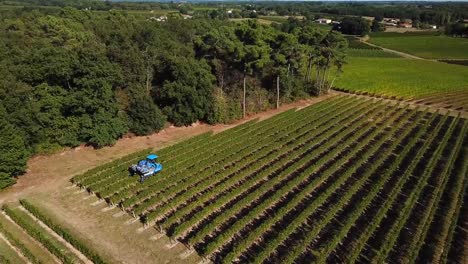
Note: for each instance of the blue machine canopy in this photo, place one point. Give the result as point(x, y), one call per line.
point(152, 156)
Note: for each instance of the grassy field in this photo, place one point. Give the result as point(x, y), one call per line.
point(355, 43)
point(370, 53)
point(379, 72)
point(425, 45)
point(259, 20)
point(344, 180)
point(267, 20)
point(277, 19)
point(143, 13)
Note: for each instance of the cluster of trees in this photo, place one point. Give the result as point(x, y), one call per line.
point(93, 4)
point(458, 29)
point(77, 76)
point(354, 26)
point(102, 5)
point(426, 13)
point(359, 26)
point(377, 25)
point(430, 13)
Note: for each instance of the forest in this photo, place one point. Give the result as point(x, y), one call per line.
point(74, 76)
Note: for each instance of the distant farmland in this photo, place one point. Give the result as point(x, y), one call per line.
point(385, 74)
point(344, 180)
point(425, 45)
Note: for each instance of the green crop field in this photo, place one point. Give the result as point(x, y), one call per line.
point(277, 19)
point(423, 45)
point(344, 180)
point(370, 53)
point(259, 20)
point(382, 73)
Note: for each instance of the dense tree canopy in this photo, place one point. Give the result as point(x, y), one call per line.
point(185, 95)
point(76, 76)
point(436, 13)
point(458, 29)
point(144, 116)
point(13, 151)
point(353, 26)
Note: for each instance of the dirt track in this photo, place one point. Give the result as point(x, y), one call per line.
point(399, 53)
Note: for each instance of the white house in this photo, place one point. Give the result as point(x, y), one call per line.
point(323, 21)
point(391, 20)
point(389, 24)
point(159, 19)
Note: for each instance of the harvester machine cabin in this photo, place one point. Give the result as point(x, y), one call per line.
point(146, 168)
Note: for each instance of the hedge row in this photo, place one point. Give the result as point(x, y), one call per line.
point(63, 232)
point(39, 234)
point(19, 245)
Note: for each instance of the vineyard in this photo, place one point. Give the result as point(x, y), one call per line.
point(384, 74)
point(38, 238)
point(456, 100)
point(344, 180)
